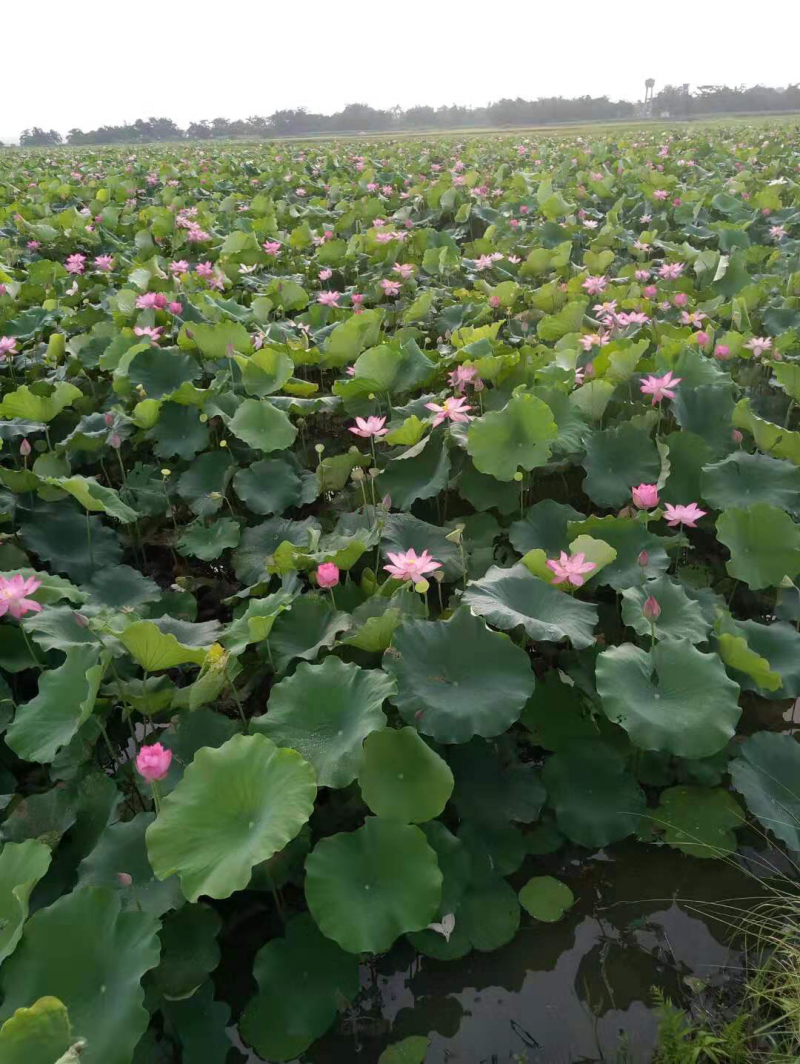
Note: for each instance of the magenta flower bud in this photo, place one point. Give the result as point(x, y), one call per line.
point(737, 436)
point(722, 351)
point(160, 300)
point(109, 419)
point(25, 448)
point(114, 440)
point(681, 299)
point(124, 879)
point(80, 620)
point(650, 292)
point(494, 301)
point(152, 762)
point(386, 502)
point(702, 338)
point(651, 609)
point(175, 307)
point(328, 575)
point(643, 559)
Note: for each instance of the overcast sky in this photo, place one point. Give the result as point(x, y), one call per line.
point(86, 63)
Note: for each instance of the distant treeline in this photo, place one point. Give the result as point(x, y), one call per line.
point(675, 101)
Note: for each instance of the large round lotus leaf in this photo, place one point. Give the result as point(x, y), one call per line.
point(203, 484)
point(555, 713)
point(235, 806)
point(57, 533)
point(517, 437)
point(325, 712)
point(744, 479)
point(262, 426)
point(617, 459)
point(681, 617)
point(455, 863)
point(629, 537)
point(778, 644)
point(401, 778)
point(699, 820)
point(269, 486)
point(366, 888)
point(764, 543)
point(301, 632)
point(209, 541)
point(494, 786)
point(418, 472)
point(544, 527)
point(546, 898)
point(483, 492)
point(449, 674)
point(510, 597)
point(261, 541)
point(489, 914)
point(673, 698)
point(121, 848)
point(595, 799)
point(83, 950)
point(22, 865)
point(189, 951)
point(303, 979)
point(767, 773)
point(38, 1035)
point(493, 846)
point(200, 1023)
point(688, 454)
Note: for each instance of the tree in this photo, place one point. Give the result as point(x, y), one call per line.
point(39, 138)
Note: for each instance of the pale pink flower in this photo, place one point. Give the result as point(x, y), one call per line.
point(694, 317)
point(13, 592)
point(8, 346)
point(660, 194)
point(76, 263)
point(589, 223)
point(636, 317)
point(777, 232)
point(645, 496)
point(25, 447)
point(640, 245)
point(385, 238)
point(660, 387)
point(568, 568)
point(146, 302)
point(722, 351)
point(645, 218)
point(759, 344)
point(300, 192)
point(410, 566)
point(204, 269)
point(405, 269)
point(461, 376)
point(327, 575)
point(494, 301)
point(33, 245)
point(594, 285)
point(371, 426)
point(671, 271)
point(590, 340)
point(151, 333)
point(329, 299)
point(651, 609)
point(272, 247)
point(683, 515)
point(391, 288)
point(484, 262)
point(650, 291)
point(680, 299)
point(104, 263)
point(453, 409)
point(642, 275)
point(609, 307)
point(178, 267)
point(324, 275)
point(152, 762)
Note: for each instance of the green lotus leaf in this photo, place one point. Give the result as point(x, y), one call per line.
point(202, 727)
point(764, 543)
point(204, 482)
point(448, 673)
point(544, 527)
point(616, 460)
point(122, 586)
point(301, 632)
point(421, 472)
point(72, 949)
point(778, 644)
point(179, 431)
point(64, 703)
point(601, 554)
point(38, 1035)
point(517, 437)
point(265, 371)
point(214, 340)
point(325, 712)
point(272, 486)
point(745, 479)
point(404, 531)
point(546, 898)
point(262, 426)
point(688, 455)
point(394, 367)
point(494, 786)
point(681, 617)
point(489, 914)
point(736, 653)
point(629, 538)
point(673, 698)
point(304, 979)
point(767, 774)
point(53, 588)
point(156, 650)
point(334, 472)
point(255, 623)
point(22, 865)
point(201, 1023)
point(555, 714)
point(189, 951)
point(262, 798)
point(402, 778)
point(774, 439)
point(483, 492)
point(261, 541)
point(121, 848)
point(69, 541)
point(595, 800)
point(493, 846)
point(699, 820)
point(511, 597)
point(207, 542)
point(706, 410)
point(161, 370)
point(26, 404)
point(368, 887)
point(411, 1050)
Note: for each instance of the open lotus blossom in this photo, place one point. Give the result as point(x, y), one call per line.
point(759, 344)
point(461, 376)
point(694, 317)
point(371, 426)
point(204, 269)
point(272, 247)
point(590, 340)
point(660, 194)
point(645, 496)
point(636, 317)
point(569, 568)
point(484, 262)
point(104, 263)
point(391, 288)
point(405, 269)
point(660, 387)
point(8, 346)
point(671, 271)
point(153, 761)
point(410, 566)
point(178, 267)
point(148, 331)
point(777, 232)
point(324, 275)
point(453, 409)
point(146, 301)
point(594, 285)
point(76, 263)
point(329, 299)
point(683, 515)
point(13, 595)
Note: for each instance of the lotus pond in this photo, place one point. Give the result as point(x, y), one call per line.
point(398, 606)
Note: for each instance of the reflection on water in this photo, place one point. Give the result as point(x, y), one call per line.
point(566, 992)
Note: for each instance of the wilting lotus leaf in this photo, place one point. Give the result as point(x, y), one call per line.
point(517, 437)
point(325, 712)
point(764, 543)
point(681, 617)
point(262, 798)
point(189, 951)
point(699, 820)
point(402, 778)
point(595, 799)
point(511, 597)
point(304, 980)
point(673, 698)
point(744, 479)
point(767, 774)
point(40, 1034)
point(73, 950)
point(368, 887)
point(616, 460)
point(449, 672)
point(494, 786)
point(546, 898)
point(22, 865)
point(94, 497)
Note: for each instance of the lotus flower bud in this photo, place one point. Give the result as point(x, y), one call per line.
point(643, 559)
point(124, 879)
point(651, 609)
point(152, 762)
point(25, 448)
point(327, 575)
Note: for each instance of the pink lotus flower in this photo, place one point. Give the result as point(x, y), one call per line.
point(636, 317)
point(594, 285)
point(702, 338)
point(411, 567)
point(484, 262)
point(759, 344)
point(104, 263)
point(694, 317)
point(204, 269)
point(146, 330)
point(642, 275)
point(175, 307)
point(405, 269)
point(391, 288)
point(324, 275)
point(371, 426)
point(660, 194)
point(329, 299)
point(680, 299)
point(8, 346)
point(683, 515)
point(461, 376)
point(722, 351)
point(13, 592)
point(660, 387)
point(327, 575)
point(645, 496)
point(178, 267)
point(569, 568)
point(25, 447)
point(272, 247)
point(590, 340)
point(777, 232)
point(650, 292)
point(76, 263)
point(671, 271)
point(453, 409)
point(146, 302)
point(152, 762)
point(651, 609)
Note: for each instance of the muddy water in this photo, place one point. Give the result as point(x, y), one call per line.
point(576, 991)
